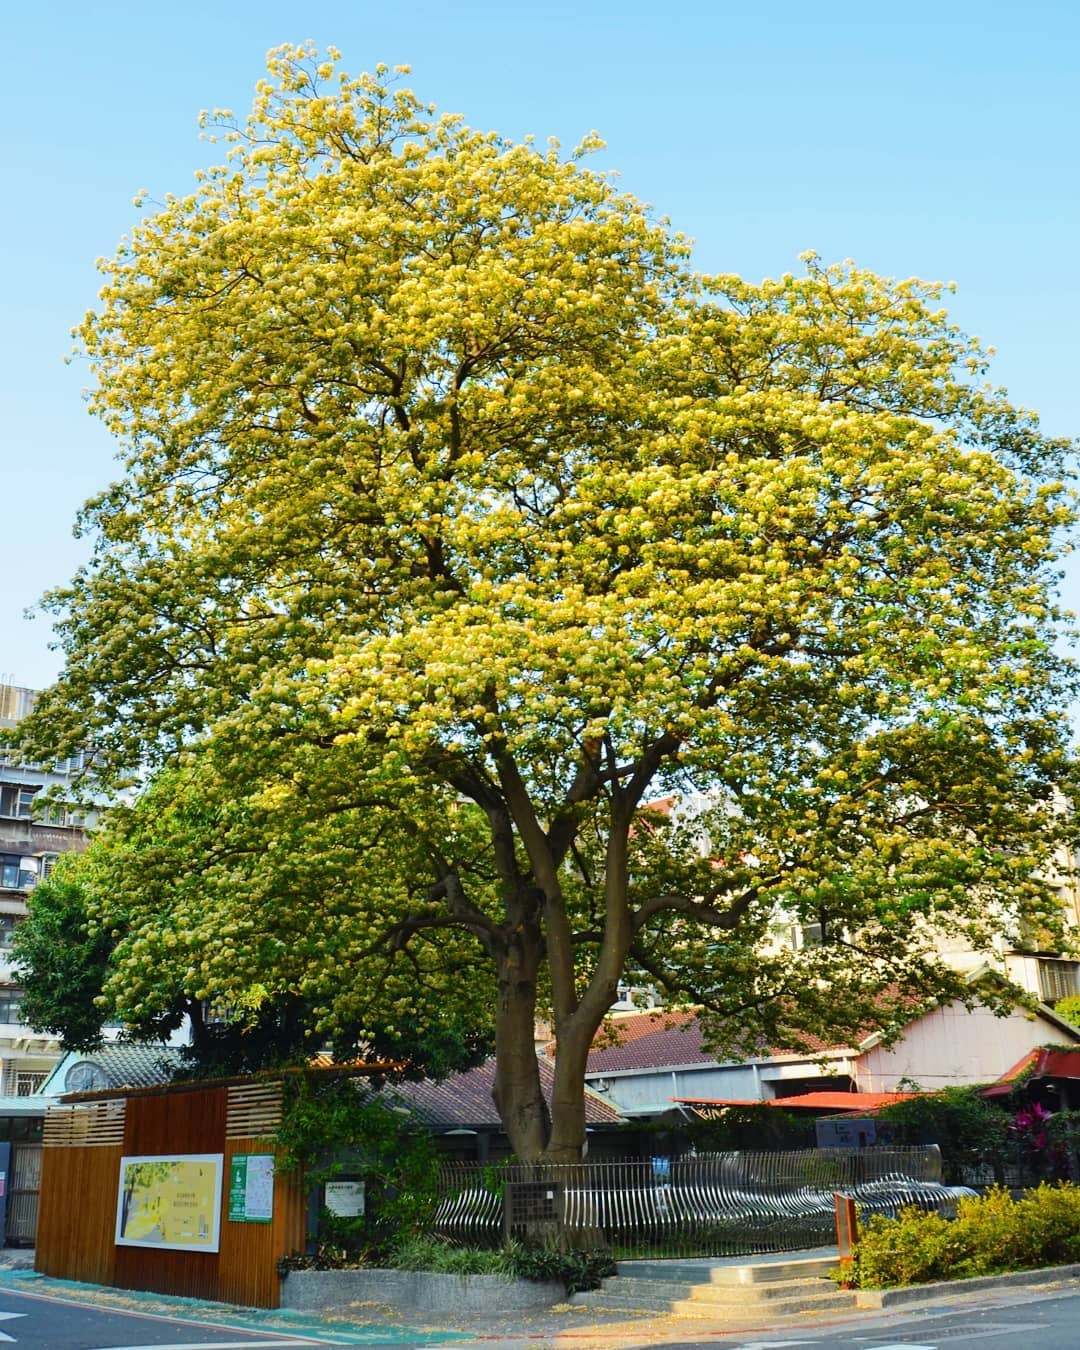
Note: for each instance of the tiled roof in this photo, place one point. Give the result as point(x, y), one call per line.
point(123, 1065)
point(461, 1101)
point(659, 1040)
point(140, 1065)
point(464, 1101)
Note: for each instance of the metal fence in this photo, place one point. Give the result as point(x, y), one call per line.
point(713, 1204)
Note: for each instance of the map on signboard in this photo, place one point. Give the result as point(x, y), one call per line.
point(170, 1201)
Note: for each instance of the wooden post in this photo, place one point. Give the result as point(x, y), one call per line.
point(847, 1235)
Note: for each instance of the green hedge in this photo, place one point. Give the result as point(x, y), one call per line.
point(578, 1270)
point(969, 1130)
point(990, 1235)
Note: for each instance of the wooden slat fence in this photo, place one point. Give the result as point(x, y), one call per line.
point(85, 1138)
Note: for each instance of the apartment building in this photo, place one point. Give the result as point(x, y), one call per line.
point(33, 834)
point(1046, 972)
point(1039, 968)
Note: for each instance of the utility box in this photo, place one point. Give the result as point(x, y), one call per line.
point(532, 1209)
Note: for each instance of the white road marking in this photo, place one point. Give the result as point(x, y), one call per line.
point(6, 1317)
point(208, 1345)
point(282, 1339)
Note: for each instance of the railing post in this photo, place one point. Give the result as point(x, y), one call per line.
point(847, 1235)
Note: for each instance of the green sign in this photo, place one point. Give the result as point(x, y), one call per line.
point(251, 1188)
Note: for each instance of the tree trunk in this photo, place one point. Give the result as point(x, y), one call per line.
point(518, 1095)
point(567, 1136)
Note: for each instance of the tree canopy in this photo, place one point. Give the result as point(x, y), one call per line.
point(461, 521)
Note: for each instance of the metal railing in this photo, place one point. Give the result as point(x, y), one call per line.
point(714, 1204)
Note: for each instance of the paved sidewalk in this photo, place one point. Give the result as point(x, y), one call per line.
point(563, 1327)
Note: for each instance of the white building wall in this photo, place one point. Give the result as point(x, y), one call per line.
point(955, 1045)
point(651, 1091)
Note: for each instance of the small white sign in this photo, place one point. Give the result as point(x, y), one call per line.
point(344, 1198)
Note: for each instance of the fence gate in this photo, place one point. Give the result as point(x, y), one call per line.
point(22, 1199)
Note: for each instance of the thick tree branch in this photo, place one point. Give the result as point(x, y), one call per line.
point(704, 909)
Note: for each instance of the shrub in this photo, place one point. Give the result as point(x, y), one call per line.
point(578, 1270)
point(990, 1234)
point(967, 1129)
point(334, 1125)
point(429, 1253)
point(1063, 1141)
point(915, 1247)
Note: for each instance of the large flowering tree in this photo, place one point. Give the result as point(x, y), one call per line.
point(460, 521)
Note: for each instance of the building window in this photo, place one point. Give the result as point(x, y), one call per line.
point(1058, 979)
point(10, 1000)
point(17, 800)
point(22, 1127)
point(17, 873)
point(28, 1081)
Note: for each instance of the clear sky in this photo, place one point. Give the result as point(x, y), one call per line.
point(928, 139)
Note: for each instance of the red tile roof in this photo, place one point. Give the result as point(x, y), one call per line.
point(464, 1100)
point(662, 1039)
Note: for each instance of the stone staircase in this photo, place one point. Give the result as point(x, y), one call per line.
point(731, 1293)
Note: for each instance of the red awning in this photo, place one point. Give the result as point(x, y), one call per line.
point(1037, 1063)
point(857, 1103)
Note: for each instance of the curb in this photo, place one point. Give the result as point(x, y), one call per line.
point(875, 1299)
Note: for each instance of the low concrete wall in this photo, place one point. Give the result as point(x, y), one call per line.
point(925, 1293)
point(415, 1291)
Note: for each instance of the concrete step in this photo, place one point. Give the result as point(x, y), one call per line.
point(727, 1272)
point(729, 1293)
point(774, 1291)
point(655, 1290)
point(796, 1302)
point(804, 1268)
point(723, 1314)
point(608, 1300)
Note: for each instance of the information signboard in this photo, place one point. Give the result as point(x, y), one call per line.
point(251, 1188)
point(344, 1198)
point(170, 1201)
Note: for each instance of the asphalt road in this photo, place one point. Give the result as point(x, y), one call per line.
point(1041, 1323)
point(48, 1322)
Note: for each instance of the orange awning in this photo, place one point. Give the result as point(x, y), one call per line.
point(858, 1103)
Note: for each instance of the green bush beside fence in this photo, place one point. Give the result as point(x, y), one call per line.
point(990, 1235)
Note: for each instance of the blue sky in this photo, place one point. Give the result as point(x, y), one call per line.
point(936, 140)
